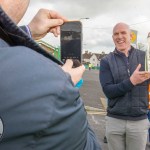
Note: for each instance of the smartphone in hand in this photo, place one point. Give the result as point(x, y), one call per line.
point(71, 41)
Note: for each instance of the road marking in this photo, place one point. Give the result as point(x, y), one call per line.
point(94, 120)
point(98, 111)
point(104, 102)
point(89, 108)
point(95, 111)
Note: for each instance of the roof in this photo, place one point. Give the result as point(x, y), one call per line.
point(87, 55)
point(99, 56)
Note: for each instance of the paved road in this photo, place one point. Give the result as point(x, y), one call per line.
point(91, 93)
point(91, 90)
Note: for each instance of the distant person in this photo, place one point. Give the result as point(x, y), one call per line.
point(40, 106)
point(124, 82)
point(90, 66)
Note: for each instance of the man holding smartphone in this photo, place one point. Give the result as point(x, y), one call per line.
point(39, 105)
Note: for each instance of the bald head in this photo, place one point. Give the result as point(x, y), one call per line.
point(121, 25)
point(121, 37)
point(15, 9)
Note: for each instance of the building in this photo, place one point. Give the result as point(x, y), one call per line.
point(86, 57)
point(95, 59)
point(92, 58)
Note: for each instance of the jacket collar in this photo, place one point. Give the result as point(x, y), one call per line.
point(122, 54)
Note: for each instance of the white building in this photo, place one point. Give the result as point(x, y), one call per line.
point(94, 60)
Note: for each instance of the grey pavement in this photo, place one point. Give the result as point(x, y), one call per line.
point(95, 104)
point(91, 93)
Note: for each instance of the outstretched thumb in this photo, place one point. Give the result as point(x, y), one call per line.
point(68, 65)
point(138, 67)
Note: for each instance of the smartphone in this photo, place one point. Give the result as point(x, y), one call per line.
point(71, 41)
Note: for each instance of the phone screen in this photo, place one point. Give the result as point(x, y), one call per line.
point(71, 41)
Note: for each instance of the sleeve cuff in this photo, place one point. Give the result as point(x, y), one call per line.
point(128, 84)
point(28, 31)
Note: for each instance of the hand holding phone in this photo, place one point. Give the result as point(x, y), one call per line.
point(75, 73)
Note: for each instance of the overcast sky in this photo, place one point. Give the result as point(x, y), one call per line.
point(102, 14)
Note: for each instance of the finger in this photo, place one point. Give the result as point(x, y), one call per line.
point(54, 31)
point(58, 30)
point(54, 22)
point(147, 75)
point(79, 73)
point(138, 67)
point(143, 72)
point(56, 15)
point(68, 63)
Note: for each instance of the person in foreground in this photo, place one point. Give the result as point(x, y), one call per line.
point(124, 83)
point(39, 105)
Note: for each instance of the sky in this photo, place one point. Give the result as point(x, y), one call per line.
point(102, 14)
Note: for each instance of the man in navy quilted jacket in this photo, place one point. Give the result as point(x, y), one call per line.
point(125, 83)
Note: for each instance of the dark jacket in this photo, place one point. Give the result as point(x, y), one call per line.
point(39, 105)
point(125, 101)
